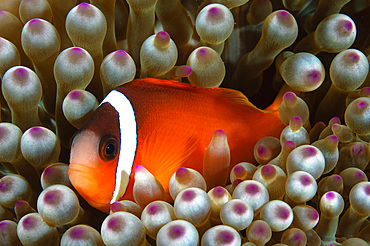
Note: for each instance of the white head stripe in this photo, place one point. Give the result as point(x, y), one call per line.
point(127, 125)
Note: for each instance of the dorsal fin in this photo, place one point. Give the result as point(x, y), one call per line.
point(232, 94)
point(235, 95)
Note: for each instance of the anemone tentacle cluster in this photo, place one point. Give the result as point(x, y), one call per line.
point(310, 186)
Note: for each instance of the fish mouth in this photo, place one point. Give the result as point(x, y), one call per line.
point(80, 173)
point(80, 169)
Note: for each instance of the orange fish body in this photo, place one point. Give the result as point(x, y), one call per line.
point(162, 125)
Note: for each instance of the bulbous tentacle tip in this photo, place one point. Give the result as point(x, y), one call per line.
point(146, 187)
point(122, 228)
point(216, 161)
point(81, 233)
point(179, 232)
point(48, 205)
point(221, 235)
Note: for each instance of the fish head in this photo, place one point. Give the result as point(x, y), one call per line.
point(100, 163)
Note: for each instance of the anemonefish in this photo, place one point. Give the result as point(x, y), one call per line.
point(161, 125)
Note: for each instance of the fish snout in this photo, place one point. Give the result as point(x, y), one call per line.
point(90, 184)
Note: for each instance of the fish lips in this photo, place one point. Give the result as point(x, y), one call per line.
point(85, 182)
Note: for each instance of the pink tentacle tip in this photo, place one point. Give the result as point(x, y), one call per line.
point(367, 190)
point(188, 195)
point(52, 197)
point(362, 104)
point(115, 207)
point(268, 171)
point(184, 71)
point(75, 95)
point(330, 196)
point(310, 151)
point(337, 178)
point(77, 51)
point(181, 172)
point(314, 215)
point(239, 170)
point(252, 189)
point(19, 203)
point(214, 11)
point(283, 13)
point(21, 73)
point(162, 37)
point(297, 119)
point(139, 168)
point(176, 231)
point(289, 96)
point(314, 76)
point(260, 230)
point(353, 57)
point(333, 138)
point(262, 151)
point(284, 213)
point(295, 123)
point(114, 224)
point(120, 54)
point(226, 237)
point(35, 22)
point(305, 180)
point(36, 131)
point(297, 237)
point(285, 19)
point(218, 191)
point(347, 26)
point(3, 224)
point(359, 175)
point(77, 233)
point(334, 120)
point(239, 209)
point(83, 6)
point(28, 223)
point(336, 127)
point(48, 172)
point(202, 52)
point(153, 209)
point(4, 186)
point(365, 91)
point(289, 144)
point(220, 133)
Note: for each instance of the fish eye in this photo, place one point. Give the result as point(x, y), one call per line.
point(108, 148)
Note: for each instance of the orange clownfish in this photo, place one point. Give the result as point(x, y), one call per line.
point(162, 125)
